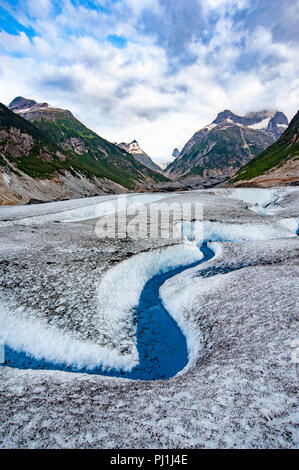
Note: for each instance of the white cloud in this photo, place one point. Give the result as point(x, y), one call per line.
point(137, 6)
point(131, 92)
point(40, 8)
point(10, 43)
point(223, 6)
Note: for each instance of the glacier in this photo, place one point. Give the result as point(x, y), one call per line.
point(238, 312)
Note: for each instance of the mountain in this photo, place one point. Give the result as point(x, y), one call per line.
point(175, 153)
point(277, 165)
point(228, 143)
point(25, 148)
point(34, 167)
point(134, 149)
point(99, 156)
point(50, 155)
point(165, 162)
point(273, 123)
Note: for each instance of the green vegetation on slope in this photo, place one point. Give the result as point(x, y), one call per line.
point(30, 161)
point(49, 153)
point(220, 149)
point(101, 158)
point(286, 147)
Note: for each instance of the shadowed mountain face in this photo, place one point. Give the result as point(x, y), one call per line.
point(25, 148)
point(21, 103)
point(277, 165)
point(134, 149)
point(228, 143)
point(175, 153)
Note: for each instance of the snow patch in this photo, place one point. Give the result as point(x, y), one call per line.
point(290, 224)
point(216, 248)
point(6, 178)
point(24, 110)
point(261, 125)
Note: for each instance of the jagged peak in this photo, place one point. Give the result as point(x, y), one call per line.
point(223, 116)
point(252, 118)
point(30, 109)
point(21, 103)
point(132, 146)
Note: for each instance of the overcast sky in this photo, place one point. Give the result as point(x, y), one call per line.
point(151, 70)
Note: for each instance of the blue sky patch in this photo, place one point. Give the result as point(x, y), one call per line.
point(10, 25)
point(117, 41)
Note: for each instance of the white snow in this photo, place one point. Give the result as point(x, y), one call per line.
point(188, 296)
point(131, 275)
point(6, 178)
point(20, 111)
point(261, 125)
point(228, 123)
point(72, 211)
point(216, 248)
point(218, 231)
point(2, 352)
point(261, 201)
point(37, 338)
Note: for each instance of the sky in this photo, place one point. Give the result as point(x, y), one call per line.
point(151, 70)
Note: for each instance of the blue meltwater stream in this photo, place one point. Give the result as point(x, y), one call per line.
point(161, 344)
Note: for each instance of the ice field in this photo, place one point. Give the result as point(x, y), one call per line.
point(69, 298)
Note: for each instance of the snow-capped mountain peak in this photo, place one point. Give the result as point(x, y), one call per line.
point(272, 122)
point(230, 141)
point(134, 149)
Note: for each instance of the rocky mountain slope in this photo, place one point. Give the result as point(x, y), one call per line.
point(134, 149)
point(175, 153)
point(50, 155)
point(227, 144)
point(89, 148)
point(277, 165)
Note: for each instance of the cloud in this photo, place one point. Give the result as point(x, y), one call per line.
point(150, 69)
point(40, 9)
point(59, 82)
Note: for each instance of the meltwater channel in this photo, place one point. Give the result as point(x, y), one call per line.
point(161, 344)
